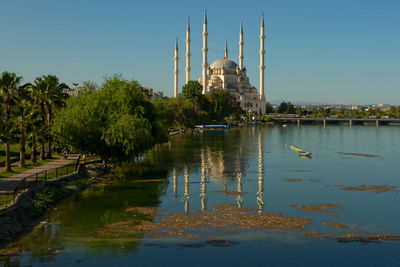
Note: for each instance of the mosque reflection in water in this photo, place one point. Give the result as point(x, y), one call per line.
point(221, 169)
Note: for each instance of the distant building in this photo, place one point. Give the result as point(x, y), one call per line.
point(384, 107)
point(72, 91)
point(152, 94)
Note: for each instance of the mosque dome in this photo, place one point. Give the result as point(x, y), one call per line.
point(223, 63)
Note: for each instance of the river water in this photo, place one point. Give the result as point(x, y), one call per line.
point(236, 197)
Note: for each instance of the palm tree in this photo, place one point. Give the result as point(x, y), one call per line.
point(26, 117)
point(38, 94)
point(47, 94)
point(55, 100)
point(35, 127)
point(9, 87)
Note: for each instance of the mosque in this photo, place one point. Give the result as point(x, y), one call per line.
point(225, 74)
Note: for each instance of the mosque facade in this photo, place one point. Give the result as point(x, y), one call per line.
point(225, 74)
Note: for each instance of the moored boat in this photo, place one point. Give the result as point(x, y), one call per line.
point(212, 126)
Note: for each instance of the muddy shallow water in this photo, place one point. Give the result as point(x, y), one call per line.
point(240, 197)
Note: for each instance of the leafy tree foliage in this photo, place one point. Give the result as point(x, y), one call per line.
point(48, 96)
point(192, 91)
point(212, 108)
point(269, 108)
point(28, 111)
point(287, 108)
point(10, 90)
point(176, 112)
point(116, 122)
point(88, 86)
point(223, 105)
point(26, 120)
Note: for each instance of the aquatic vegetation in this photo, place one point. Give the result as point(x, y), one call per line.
point(354, 237)
point(376, 188)
point(222, 217)
point(293, 180)
point(335, 225)
point(358, 154)
point(326, 208)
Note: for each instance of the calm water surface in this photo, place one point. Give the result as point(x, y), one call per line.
point(240, 173)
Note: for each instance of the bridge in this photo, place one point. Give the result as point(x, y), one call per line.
point(350, 121)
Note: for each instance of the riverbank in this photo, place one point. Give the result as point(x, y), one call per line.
point(35, 203)
point(198, 128)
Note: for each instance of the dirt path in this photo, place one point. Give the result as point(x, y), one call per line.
point(8, 184)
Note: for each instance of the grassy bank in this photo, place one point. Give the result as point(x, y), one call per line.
point(14, 152)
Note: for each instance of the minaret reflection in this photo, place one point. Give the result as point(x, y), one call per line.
point(175, 179)
point(260, 198)
point(239, 188)
point(203, 192)
point(221, 166)
point(221, 163)
point(187, 189)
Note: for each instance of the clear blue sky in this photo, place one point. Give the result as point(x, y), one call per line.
point(342, 51)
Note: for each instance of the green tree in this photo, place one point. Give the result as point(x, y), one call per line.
point(291, 109)
point(269, 108)
point(9, 91)
point(47, 94)
point(88, 86)
point(55, 99)
point(287, 108)
point(282, 107)
point(38, 94)
point(166, 113)
point(185, 114)
point(192, 91)
point(116, 122)
point(221, 104)
point(26, 117)
point(80, 125)
point(34, 129)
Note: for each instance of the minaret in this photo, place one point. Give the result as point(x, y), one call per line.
point(188, 52)
point(205, 49)
point(241, 47)
point(262, 52)
point(226, 50)
point(176, 69)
